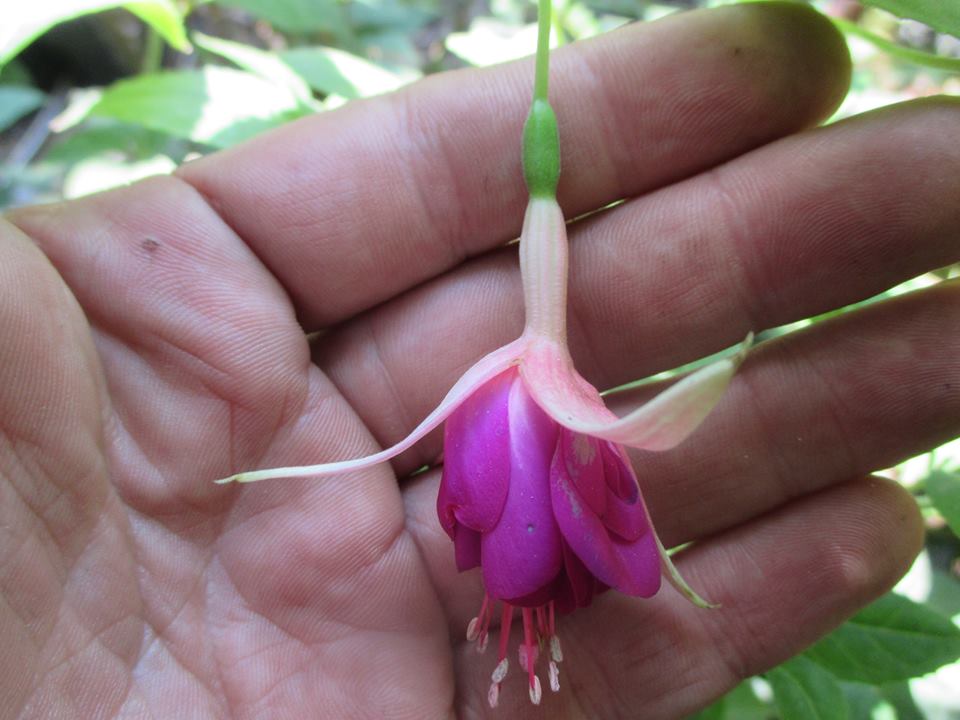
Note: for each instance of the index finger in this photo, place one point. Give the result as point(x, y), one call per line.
point(352, 207)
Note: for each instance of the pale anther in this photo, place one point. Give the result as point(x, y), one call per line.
point(536, 693)
point(554, 673)
point(493, 694)
point(556, 652)
point(500, 671)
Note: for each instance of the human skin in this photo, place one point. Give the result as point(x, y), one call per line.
point(154, 340)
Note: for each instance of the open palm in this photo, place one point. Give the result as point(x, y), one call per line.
point(153, 340)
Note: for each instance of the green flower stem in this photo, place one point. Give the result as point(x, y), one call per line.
point(542, 77)
point(541, 141)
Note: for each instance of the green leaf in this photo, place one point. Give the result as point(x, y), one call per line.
point(917, 57)
point(17, 101)
point(944, 490)
point(891, 640)
point(741, 703)
point(15, 73)
point(103, 172)
point(24, 22)
point(942, 15)
point(215, 106)
point(862, 700)
point(805, 691)
point(164, 17)
point(106, 137)
point(267, 65)
point(335, 72)
point(717, 711)
point(296, 16)
point(366, 15)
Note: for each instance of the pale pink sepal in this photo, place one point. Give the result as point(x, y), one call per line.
point(673, 575)
point(660, 424)
point(486, 368)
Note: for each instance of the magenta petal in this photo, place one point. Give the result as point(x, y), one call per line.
point(476, 469)
point(466, 547)
point(584, 464)
point(580, 580)
point(632, 568)
point(625, 513)
point(523, 552)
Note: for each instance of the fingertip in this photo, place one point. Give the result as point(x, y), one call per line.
point(798, 37)
point(900, 535)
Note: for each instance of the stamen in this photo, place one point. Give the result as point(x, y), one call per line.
point(493, 695)
point(528, 655)
point(542, 622)
point(506, 619)
point(536, 693)
point(500, 671)
point(528, 645)
point(539, 632)
point(556, 652)
point(473, 631)
point(477, 629)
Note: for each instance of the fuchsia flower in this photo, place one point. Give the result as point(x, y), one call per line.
point(537, 489)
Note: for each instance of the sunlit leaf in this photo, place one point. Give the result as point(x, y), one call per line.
point(24, 21)
point(295, 16)
point(942, 15)
point(216, 106)
point(944, 490)
point(891, 640)
point(15, 73)
point(741, 703)
point(17, 101)
point(488, 42)
point(332, 71)
point(805, 691)
point(917, 57)
point(387, 14)
point(96, 174)
point(108, 137)
point(267, 65)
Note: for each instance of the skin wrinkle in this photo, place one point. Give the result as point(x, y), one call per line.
point(373, 555)
point(323, 639)
point(605, 114)
point(29, 625)
point(91, 643)
point(423, 138)
point(206, 556)
point(728, 648)
point(779, 467)
point(44, 523)
point(750, 301)
point(166, 647)
point(837, 402)
point(395, 395)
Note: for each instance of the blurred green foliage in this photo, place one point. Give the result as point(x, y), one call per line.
point(191, 77)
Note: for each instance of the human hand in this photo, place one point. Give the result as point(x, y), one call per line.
point(162, 346)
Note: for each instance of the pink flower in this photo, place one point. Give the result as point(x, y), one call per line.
point(537, 489)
